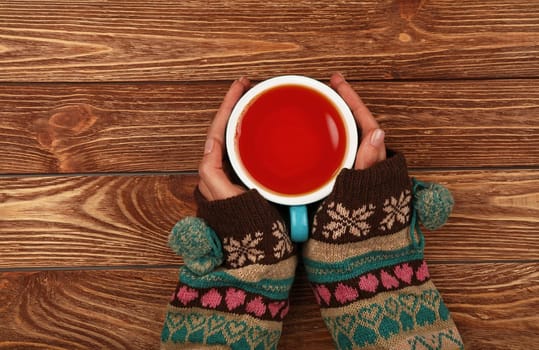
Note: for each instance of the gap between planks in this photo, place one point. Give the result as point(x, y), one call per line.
point(195, 173)
point(169, 266)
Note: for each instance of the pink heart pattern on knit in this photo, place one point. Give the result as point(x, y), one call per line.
point(186, 295)
point(404, 272)
point(344, 293)
point(422, 272)
point(368, 283)
point(388, 281)
point(256, 306)
point(284, 312)
point(324, 293)
point(211, 299)
point(363, 286)
point(275, 307)
point(234, 298)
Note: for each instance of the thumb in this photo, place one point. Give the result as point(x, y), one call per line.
point(214, 183)
point(371, 150)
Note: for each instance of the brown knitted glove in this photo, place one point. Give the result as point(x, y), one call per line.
point(241, 304)
point(365, 263)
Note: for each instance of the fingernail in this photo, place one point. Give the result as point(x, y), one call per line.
point(377, 138)
point(208, 146)
point(338, 78)
point(243, 80)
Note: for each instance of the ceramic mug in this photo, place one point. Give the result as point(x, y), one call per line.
point(288, 137)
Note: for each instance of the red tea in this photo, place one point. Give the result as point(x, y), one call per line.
point(291, 140)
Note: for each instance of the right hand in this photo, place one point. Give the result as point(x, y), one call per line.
point(372, 148)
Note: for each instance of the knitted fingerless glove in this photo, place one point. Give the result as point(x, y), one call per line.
point(241, 303)
point(365, 263)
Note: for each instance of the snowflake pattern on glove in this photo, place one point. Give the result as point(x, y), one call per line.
point(396, 210)
point(284, 244)
point(315, 220)
point(239, 252)
point(347, 221)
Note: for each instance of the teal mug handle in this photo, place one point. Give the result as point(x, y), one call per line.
point(299, 224)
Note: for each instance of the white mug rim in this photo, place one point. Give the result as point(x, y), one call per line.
point(344, 112)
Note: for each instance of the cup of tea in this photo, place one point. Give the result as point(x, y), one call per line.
point(288, 137)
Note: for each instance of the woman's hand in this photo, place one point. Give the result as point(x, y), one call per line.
point(372, 148)
point(214, 183)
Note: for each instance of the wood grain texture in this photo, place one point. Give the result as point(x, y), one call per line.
point(459, 123)
point(104, 128)
point(84, 309)
point(125, 220)
point(195, 40)
point(494, 306)
point(91, 221)
point(86, 128)
point(123, 92)
point(495, 217)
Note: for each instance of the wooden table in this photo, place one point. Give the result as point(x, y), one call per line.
point(104, 107)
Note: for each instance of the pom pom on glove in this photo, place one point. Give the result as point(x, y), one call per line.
point(197, 243)
point(433, 203)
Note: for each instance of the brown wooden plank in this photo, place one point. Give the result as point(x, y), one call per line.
point(494, 306)
point(496, 216)
point(161, 127)
point(100, 128)
point(91, 221)
point(194, 40)
point(459, 123)
point(84, 309)
point(125, 220)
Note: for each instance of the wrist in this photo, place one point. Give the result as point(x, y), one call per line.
point(385, 177)
point(250, 229)
point(366, 203)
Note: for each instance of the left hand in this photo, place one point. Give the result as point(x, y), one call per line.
point(214, 183)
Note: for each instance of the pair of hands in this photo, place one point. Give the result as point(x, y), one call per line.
point(215, 184)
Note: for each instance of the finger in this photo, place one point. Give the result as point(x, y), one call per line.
point(214, 183)
point(371, 150)
point(361, 113)
point(203, 188)
point(218, 125)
